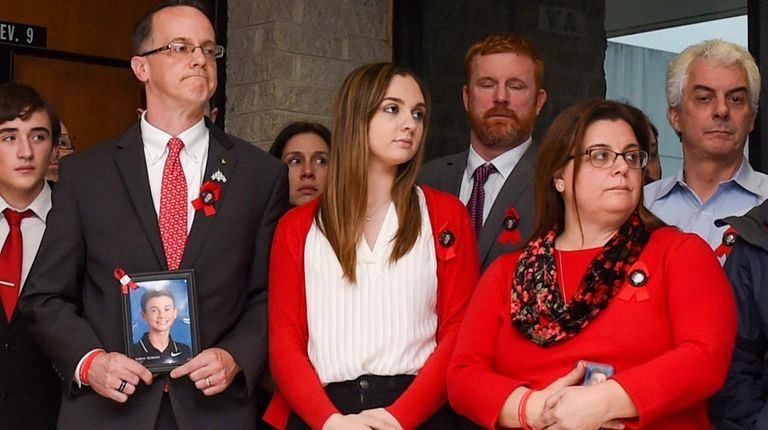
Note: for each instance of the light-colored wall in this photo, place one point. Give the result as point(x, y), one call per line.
point(287, 58)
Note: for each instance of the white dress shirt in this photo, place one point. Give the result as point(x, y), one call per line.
point(504, 164)
point(193, 157)
point(386, 323)
point(32, 228)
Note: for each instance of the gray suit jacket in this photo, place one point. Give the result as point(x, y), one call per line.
point(517, 192)
point(103, 218)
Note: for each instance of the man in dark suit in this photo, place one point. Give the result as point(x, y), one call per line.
point(503, 96)
point(171, 192)
point(29, 388)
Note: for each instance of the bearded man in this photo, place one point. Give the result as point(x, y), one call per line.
point(503, 96)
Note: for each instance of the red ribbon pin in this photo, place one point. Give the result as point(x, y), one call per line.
point(210, 193)
point(729, 239)
point(637, 279)
point(125, 281)
point(447, 240)
point(510, 233)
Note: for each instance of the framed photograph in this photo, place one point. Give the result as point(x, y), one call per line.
point(160, 319)
point(596, 373)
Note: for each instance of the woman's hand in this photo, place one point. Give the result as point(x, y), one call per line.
point(366, 420)
point(508, 416)
point(587, 408)
point(536, 403)
point(383, 415)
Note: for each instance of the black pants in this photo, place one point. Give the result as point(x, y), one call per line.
point(370, 392)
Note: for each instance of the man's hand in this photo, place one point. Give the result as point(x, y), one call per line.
point(115, 376)
point(212, 371)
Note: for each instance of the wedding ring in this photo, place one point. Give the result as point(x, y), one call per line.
point(122, 386)
point(207, 382)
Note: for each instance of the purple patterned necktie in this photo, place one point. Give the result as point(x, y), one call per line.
point(477, 199)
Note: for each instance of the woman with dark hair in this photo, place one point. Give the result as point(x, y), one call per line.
point(304, 147)
point(368, 283)
point(604, 281)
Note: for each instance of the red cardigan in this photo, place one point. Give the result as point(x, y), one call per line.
point(298, 385)
point(670, 351)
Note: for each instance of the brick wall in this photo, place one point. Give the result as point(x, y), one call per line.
point(287, 58)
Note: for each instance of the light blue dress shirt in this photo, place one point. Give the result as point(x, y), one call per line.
point(672, 200)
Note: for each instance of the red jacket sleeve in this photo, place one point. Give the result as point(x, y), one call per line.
point(288, 333)
point(475, 388)
point(457, 273)
point(702, 315)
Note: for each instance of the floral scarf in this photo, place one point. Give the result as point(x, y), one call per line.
point(538, 308)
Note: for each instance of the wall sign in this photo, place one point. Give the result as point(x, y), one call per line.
point(23, 34)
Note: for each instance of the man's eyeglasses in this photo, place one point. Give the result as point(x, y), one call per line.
point(182, 49)
point(604, 158)
point(65, 141)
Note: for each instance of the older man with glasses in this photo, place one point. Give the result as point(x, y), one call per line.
point(173, 192)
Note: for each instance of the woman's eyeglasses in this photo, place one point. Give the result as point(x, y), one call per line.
point(603, 158)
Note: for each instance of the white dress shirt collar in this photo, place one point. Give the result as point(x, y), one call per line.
point(156, 140)
point(40, 205)
point(504, 163)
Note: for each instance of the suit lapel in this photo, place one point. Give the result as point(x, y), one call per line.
point(519, 179)
point(220, 158)
point(132, 166)
point(455, 167)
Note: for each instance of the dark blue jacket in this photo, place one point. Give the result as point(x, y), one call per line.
point(741, 404)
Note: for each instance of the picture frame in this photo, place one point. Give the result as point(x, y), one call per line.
point(596, 373)
point(160, 312)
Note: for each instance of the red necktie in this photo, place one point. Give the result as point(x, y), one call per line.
point(10, 260)
point(477, 198)
point(173, 206)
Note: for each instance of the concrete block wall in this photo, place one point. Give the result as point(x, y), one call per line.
point(287, 58)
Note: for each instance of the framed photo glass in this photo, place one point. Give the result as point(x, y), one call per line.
point(160, 319)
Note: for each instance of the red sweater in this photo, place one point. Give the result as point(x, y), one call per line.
point(298, 384)
point(670, 352)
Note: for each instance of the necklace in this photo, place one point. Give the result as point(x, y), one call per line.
point(368, 216)
point(561, 270)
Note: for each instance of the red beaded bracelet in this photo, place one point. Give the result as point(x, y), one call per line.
point(521, 410)
point(87, 365)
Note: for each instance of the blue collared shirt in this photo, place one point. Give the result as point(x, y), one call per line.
point(672, 200)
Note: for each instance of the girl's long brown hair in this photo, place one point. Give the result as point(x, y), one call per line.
point(341, 213)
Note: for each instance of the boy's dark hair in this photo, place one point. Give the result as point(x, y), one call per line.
point(21, 101)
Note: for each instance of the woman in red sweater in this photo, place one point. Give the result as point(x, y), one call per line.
point(602, 284)
point(368, 284)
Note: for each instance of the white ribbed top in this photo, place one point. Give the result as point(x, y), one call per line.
point(383, 325)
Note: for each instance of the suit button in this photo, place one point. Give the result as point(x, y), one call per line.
point(364, 384)
point(7, 346)
point(3, 396)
